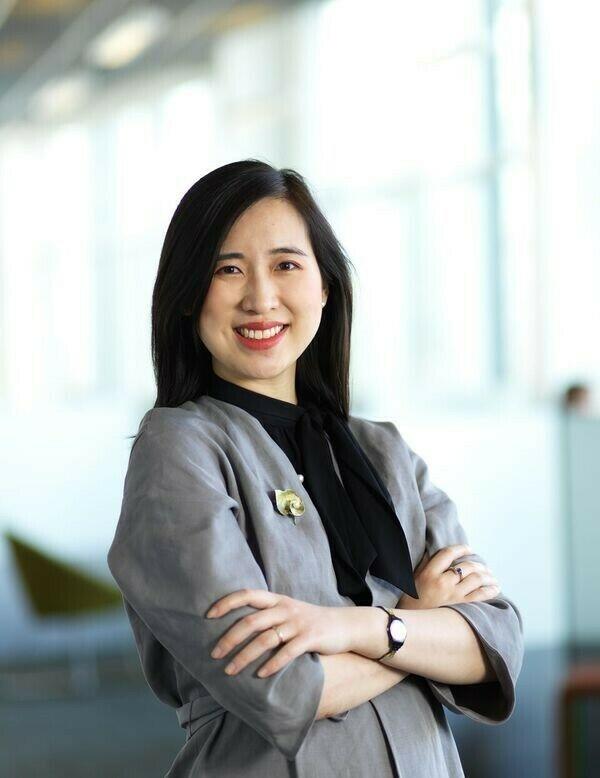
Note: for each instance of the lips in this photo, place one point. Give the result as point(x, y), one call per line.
point(260, 325)
point(261, 344)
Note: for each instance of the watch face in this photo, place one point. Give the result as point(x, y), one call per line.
point(398, 630)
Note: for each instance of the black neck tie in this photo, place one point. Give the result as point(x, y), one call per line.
point(361, 523)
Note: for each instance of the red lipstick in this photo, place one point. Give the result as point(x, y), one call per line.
point(260, 325)
point(263, 343)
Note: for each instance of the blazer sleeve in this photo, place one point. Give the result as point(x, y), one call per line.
point(177, 549)
point(496, 622)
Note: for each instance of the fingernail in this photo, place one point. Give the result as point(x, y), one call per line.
point(230, 668)
point(217, 652)
point(210, 613)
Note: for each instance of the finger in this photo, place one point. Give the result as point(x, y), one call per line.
point(288, 652)
point(255, 622)
point(442, 560)
point(423, 562)
point(483, 593)
point(467, 568)
point(474, 581)
point(264, 642)
point(259, 598)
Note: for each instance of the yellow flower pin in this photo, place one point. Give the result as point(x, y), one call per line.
point(289, 503)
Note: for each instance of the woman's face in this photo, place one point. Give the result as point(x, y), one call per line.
point(257, 285)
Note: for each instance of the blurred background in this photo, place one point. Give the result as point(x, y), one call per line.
point(454, 147)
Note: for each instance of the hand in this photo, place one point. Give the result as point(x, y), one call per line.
point(437, 585)
point(305, 627)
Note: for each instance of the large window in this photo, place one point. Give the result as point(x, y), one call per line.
point(84, 207)
point(411, 121)
point(421, 150)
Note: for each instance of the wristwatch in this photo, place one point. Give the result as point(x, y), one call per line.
point(396, 630)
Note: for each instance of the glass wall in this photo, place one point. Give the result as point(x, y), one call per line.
point(416, 139)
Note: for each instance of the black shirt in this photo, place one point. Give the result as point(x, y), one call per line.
point(357, 511)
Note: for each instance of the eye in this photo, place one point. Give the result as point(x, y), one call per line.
point(289, 262)
point(226, 267)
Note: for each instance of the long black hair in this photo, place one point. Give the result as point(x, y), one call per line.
point(192, 243)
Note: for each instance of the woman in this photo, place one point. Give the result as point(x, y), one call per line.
point(260, 518)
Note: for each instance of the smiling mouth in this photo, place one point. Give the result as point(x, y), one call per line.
point(261, 339)
point(261, 344)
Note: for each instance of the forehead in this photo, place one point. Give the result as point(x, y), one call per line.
point(266, 220)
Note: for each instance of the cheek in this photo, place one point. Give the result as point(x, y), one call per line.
point(203, 325)
point(210, 322)
point(305, 301)
point(306, 325)
point(209, 330)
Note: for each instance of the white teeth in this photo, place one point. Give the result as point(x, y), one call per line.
point(260, 334)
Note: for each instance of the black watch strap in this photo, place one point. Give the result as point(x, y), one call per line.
point(392, 649)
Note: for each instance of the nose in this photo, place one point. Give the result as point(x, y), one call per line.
point(261, 294)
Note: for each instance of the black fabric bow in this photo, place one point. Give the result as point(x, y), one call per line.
point(360, 520)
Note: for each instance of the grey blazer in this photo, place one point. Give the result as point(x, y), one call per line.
point(198, 521)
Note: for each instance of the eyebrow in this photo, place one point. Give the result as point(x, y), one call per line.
point(278, 250)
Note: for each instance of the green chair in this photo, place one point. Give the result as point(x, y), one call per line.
point(56, 588)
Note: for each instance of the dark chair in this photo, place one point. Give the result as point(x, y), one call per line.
point(581, 682)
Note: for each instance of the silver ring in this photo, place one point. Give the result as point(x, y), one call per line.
point(281, 640)
point(458, 571)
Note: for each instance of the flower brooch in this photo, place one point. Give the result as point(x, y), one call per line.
point(289, 503)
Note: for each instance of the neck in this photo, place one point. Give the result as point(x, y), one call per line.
point(277, 388)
